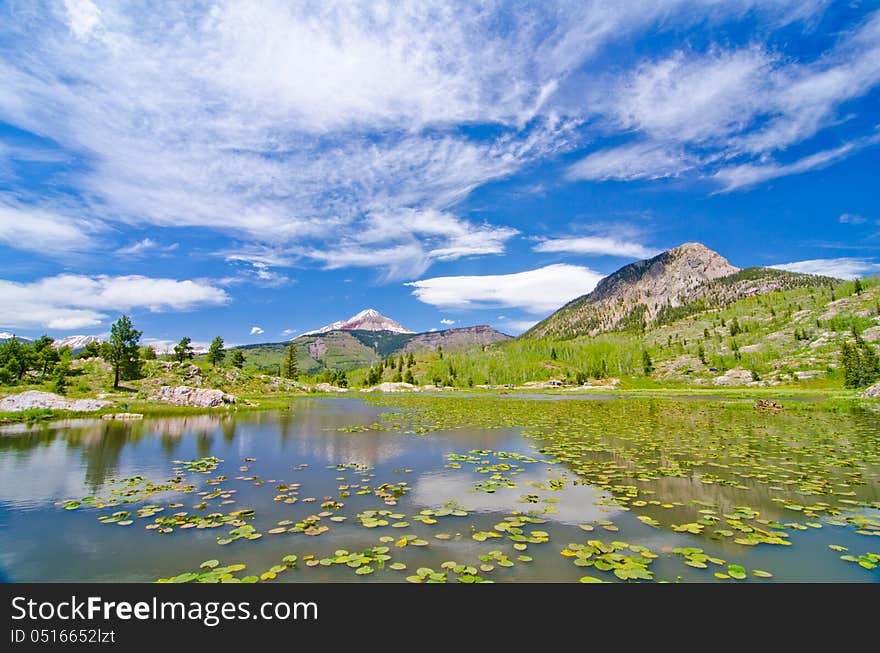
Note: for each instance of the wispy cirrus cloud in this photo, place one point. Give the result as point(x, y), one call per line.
point(146, 246)
point(536, 291)
point(43, 230)
point(596, 245)
point(840, 268)
point(731, 115)
point(292, 126)
point(73, 301)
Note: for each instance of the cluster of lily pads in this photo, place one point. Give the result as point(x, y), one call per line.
point(641, 460)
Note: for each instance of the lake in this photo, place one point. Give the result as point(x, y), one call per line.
point(447, 489)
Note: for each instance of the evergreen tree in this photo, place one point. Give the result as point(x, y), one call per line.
point(861, 366)
point(374, 376)
point(45, 354)
point(59, 377)
point(237, 359)
point(342, 379)
point(122, 350)
point(440, 351)
point(148, 353)
point(410, 360)
point(398, 377)
point(553, 353)
point(735, 329)
point(183, 350)
point(701, 354)
point(647, 363)
point(290, 367)
point(91, 350)
point(857, 287)
point(216, 353)
point(409, 378)
point(16, 358)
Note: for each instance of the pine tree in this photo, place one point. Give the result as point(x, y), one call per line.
point(290, 367)
point(647, 363)
point(46, 355)
point(237, 359)
point(553, 353)
point(410, 360)
point(857, 287)
point(122, 350)
point(183, 350)
point(216, 353)
point(861, 366)
point(409, 378)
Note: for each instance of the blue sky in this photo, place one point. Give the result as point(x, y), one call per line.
point(259, 169)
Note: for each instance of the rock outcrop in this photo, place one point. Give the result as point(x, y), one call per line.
point(392, 387)
point(681, 281)
point(183, 395)
point(326, 387)
point(36, 399)
point(872, 392)
point(451, 339)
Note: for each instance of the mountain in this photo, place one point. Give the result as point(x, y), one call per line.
point(452, 339)
point(367, 320)
point(347, 349)
point(679, 282)
point(5, 335)
point(76, 343)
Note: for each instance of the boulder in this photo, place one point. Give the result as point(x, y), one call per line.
point(392, 387)
point(736, 376)
point(326, 387)
point(183, 395)
point(872, 392)
point(37, 399)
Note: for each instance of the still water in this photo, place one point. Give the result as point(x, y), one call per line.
point(284, 465)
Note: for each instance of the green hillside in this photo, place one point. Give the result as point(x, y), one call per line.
point(790, 336)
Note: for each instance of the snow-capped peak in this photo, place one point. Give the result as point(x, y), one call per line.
point(5, 335)
point(75, 342)
point(367, 320)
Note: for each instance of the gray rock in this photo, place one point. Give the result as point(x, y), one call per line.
point(873, 392)
point(37, 399)
point(183, 395)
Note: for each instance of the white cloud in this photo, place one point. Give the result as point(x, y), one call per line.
point(629, 162)
point(447, 321)
point(289, 332)
point(146, 246)
point(408, 241)
point(598, 245)
point(692, 99)
point(698, 111)
point(851, 218)
point(296, 126)
point(293, 125)
point(71, 301)
point(515, 327)
point(43, 231)
point(255, 331)
point(82, 16)
point(536, 291)
point(841, 268)
point(743, 176)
